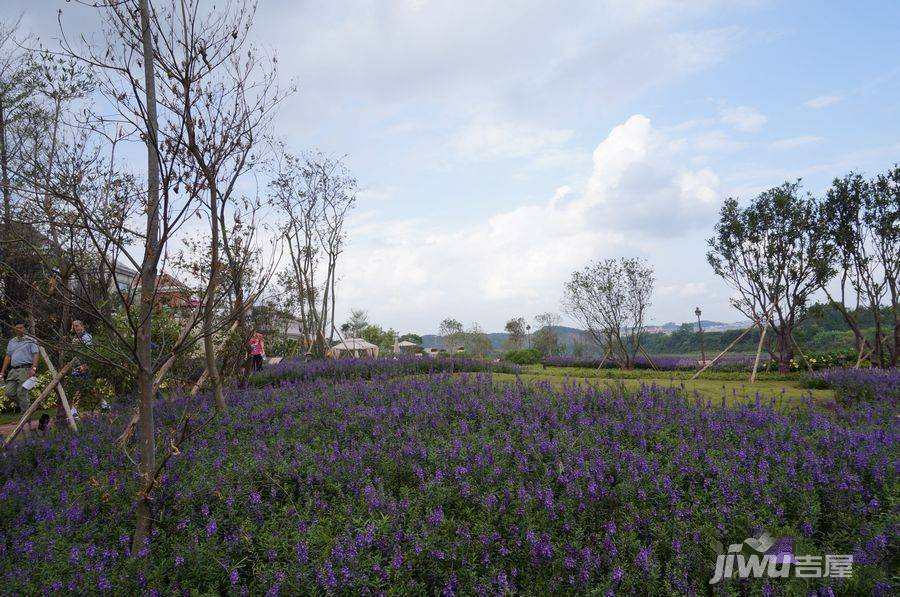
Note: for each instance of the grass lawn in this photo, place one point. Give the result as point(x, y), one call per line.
point(710, 386)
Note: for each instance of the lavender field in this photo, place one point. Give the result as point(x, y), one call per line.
point(452, 484)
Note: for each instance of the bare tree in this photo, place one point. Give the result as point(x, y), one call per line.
point(314, 194)
point(153, 244)
point(226, 95)
point(126, 65)
point(198, 126)
point(18, 79)
point(610, 298)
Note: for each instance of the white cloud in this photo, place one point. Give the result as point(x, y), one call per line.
point(745, 119)
point(685, 290)
point(716, 141)
point(823, 101)
point(516, 261)
point(504, 140)
point(357, 64)
point(368, 195)
point(640, 183)
point(793, 142)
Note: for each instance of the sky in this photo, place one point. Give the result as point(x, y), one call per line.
point(501, 145)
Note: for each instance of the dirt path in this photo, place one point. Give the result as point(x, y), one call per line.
point(7, 428)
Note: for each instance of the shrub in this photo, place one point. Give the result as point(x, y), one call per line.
point(824, 360)
point(525, 356)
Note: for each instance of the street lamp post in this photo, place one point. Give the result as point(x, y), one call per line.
point(700, 329)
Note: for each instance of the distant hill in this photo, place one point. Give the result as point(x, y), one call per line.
point(569, 336)
point(712, 326)
point(823, 330)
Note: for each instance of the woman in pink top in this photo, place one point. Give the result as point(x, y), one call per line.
point(257, 350)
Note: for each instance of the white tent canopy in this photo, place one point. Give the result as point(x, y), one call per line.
point(407, 344)
point(354, 347)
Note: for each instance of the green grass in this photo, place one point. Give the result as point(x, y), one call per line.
point(651, 374)
point(710, 386)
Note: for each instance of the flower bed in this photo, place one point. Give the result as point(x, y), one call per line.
point(296, 369)
point(852, 386)
point(453, 484)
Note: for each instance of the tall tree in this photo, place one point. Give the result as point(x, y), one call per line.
point(610, 298)
point(516, 329)
point(225, 94)
point(773, 254)
point(546, 339)
point(314, 193)
point(452, 333)
point(359, 320)
point(130, 70)
point(18, 81)
point(152, 255)
point(476, 342)
point(883, 215)
point(859, 225)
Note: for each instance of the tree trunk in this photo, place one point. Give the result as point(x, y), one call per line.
point(4, 169)
point(146, 428)
point(209, 346)
point(896, 349)
point(878, 357)
point(5, 312)
point(244, 356)
point(784, 349)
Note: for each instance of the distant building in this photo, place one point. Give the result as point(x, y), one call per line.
point(170, 292)
point(124, 277)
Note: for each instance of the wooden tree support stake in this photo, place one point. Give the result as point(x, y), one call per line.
point(37, 403)
point(603, 360)
point(644, 352)
point(60, 391)
point(721, 354)
point(762, 336)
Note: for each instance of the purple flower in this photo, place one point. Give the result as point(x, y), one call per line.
point(642, 560)
point(436, 517)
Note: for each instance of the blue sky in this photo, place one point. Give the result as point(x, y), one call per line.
point(501, 145)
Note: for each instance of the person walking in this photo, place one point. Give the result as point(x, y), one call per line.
point(257, 350)
point(19, 364)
